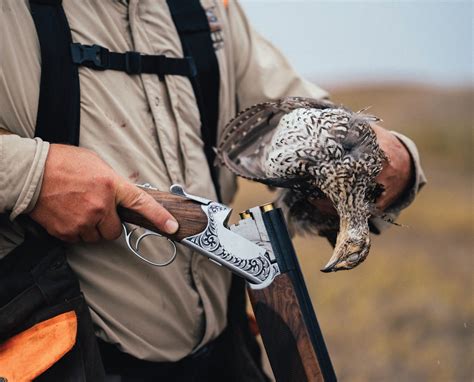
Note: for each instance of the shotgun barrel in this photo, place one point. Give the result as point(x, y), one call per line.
point(287, 321)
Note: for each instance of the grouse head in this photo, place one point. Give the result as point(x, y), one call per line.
point(312, 149)
point(352, 246)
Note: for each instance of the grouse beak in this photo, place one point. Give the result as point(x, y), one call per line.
point(329, 268)
point(334, 265)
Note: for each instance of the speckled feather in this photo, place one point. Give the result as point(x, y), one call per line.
point(311, 148)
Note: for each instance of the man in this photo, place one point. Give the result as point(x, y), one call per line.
point(137, 129)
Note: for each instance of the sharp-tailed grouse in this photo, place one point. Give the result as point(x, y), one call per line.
point(312, 149)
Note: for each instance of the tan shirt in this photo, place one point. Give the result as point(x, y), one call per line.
point(149, 132)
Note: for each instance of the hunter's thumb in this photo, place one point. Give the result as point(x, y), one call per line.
point(133, 198)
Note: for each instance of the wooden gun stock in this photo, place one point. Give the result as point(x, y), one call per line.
point(286, 318)
point(189, 214)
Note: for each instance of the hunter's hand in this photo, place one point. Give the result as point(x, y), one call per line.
point(395, 175)
point(397, 171)
point(79, 197)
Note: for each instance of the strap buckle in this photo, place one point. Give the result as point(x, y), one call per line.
point(94, 56)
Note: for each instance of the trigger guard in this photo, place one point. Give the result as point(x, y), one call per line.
point(135, 249)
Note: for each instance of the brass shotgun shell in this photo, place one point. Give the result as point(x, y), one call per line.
point(245, 215)
point(267, 207)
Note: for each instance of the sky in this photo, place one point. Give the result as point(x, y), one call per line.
point(358, 41)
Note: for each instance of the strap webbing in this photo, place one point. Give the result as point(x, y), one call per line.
point(100, 58)
point(58, 116)
point(193, 28)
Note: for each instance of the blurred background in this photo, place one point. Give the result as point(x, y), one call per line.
point(407, 313)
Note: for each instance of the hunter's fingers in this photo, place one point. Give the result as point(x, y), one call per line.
point(131, 197)
point(90, 235)
point(110, 227)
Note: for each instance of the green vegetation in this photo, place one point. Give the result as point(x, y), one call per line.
point(407, 313)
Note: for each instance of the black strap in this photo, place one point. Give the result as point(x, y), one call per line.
point(193, 28)
point(58, 116)
point(100, 58)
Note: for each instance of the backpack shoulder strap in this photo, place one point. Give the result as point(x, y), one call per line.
point(194, 32)
point(58, 116)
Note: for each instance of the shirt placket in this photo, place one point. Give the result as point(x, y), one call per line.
point(163, 103)
point(158, 102)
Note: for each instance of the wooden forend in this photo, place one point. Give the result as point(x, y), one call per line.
point(284, 333)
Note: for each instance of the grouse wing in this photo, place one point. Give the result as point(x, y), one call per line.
point(242, 143)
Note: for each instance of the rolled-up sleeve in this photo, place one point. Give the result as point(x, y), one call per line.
point(262, 72)
point(21, 172)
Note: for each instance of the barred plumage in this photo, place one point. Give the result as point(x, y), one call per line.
point(312, 148)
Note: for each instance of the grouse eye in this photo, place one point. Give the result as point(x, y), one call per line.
point(354, 257)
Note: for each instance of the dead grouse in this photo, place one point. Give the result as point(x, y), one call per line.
point(312, 149)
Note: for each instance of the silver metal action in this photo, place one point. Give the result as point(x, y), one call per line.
point(225, 247)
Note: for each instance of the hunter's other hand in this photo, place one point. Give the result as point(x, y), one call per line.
point(79, 197)
point(395, 175)
point(397, 170)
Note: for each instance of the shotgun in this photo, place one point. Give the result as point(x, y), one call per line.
point(259, 249)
